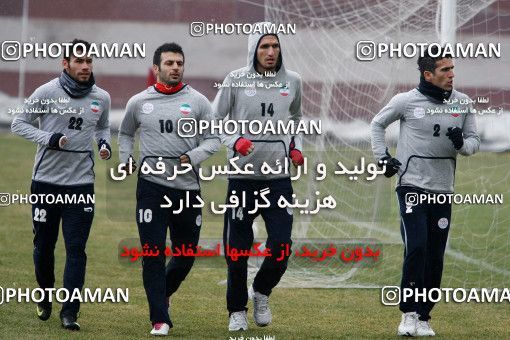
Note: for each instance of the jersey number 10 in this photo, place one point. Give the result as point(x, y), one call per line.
point(166, 125)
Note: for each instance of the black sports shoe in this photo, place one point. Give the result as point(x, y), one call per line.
point(44, 310)
point(69, 322)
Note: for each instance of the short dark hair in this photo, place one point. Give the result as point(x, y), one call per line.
point(427, 62)
point(67, 56)
point(168, 47)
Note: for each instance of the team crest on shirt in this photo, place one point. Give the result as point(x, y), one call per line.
point(442, 223)
point(95, 107)
point(284, 91)
point(250, 91)
point(185, 109)
point(455, 111)
point(147, 107)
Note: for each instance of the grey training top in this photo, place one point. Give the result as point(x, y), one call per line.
point(80, 119)
point(260, 102)
point(427, 155)
point(157, 116)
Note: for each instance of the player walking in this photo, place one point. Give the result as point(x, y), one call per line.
point(262, 102)
point(425, 163)
point(156, 112)
point(64, 166)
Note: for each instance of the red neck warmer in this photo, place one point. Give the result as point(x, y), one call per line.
point(166, 89)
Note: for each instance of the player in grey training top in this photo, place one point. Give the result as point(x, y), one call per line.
point(156, 111)
point(436, 124)
point(260, 101)
point(72, 111)
point(75, 111)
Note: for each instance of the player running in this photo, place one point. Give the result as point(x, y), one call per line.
point(156, 112)
point(425, 163)
point(262, 103)
point(64, 165)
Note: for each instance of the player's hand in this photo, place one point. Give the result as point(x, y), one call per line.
point(125, 167)
point(455, 135)
point(57, 141)
point(244, 146)
point(392, 164)
point(105, 151)
point(184, 159)
point(104, 154)
point(297, 157)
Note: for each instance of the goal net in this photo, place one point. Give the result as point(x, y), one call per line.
point(345, 94)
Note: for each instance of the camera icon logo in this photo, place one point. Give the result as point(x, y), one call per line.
point(11, 50)
point(197, 29)
point(365, 50)
point(5, 199)
point(187, 127)
point(411, 199)
point(390, 295)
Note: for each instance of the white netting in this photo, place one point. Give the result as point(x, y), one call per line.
point(346, 93)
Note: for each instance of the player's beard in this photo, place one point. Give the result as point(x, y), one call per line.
point(76, 76)
point(84, 82)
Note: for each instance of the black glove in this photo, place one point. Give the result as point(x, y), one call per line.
point(392, 164)
point(455, 135)
point(125, 166)
point(54, 140)
point(102, 143)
